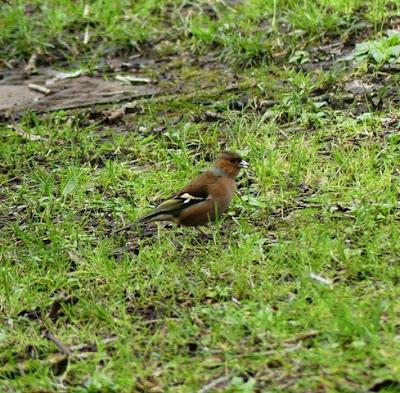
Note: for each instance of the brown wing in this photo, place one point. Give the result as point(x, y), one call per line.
point(199, 186)
point(192, 194)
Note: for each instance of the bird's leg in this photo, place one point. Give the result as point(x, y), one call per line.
point(203, 234)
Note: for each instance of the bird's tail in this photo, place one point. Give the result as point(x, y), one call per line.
point(141, 220)
point(152, 216)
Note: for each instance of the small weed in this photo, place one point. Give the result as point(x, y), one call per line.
point(383, 50)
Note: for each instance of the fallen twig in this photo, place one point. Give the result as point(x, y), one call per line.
point(221, 380)
point(64, 75)
point(154, 321)
point(30, 68)
point(86, 36)
point(56, 305)
point(32, 137)
point(91, 347)
point(56, 361)
point(86, 11)
point(62, 347)
point(302, 336)
point(132, 79)
point(41, 89)
point(268, 103)
point(320, 279)
point(390, 68)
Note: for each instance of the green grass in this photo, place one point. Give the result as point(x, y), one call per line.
point(296, 289)
point(244, 33)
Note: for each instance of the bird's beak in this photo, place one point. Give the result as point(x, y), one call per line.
point(243, 164)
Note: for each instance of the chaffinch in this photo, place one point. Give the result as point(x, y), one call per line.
point(205, 198)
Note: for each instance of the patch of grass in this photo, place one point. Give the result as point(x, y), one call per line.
point(244, 33)
point(295, 289)
point(383, 50)
point(183, 308)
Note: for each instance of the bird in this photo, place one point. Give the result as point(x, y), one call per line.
point(205, 198)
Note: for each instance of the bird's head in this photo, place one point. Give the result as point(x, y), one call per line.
point(230, 163)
